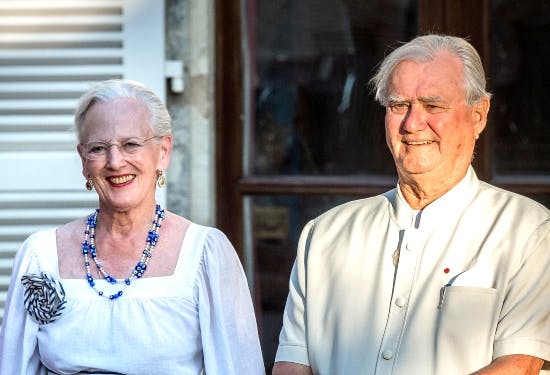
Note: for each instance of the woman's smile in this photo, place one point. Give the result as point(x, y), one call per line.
point(121, 180)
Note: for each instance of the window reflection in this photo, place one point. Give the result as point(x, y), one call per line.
point(313, 59)
point(520, 79)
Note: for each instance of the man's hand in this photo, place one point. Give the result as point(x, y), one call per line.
point(514, 364)
point(291, 368)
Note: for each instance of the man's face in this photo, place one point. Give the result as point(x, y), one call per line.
point(430, 130)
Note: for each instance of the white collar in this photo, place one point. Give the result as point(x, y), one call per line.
point(449, 204)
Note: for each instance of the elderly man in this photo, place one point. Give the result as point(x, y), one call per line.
point(444, 274)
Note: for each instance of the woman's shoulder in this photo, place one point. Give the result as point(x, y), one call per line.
point(69, 239)
point(174, 225)
point(211, 239)
point(41, 235)
point(37, 250)
point(41, 239)
point(71, 229)
point(42, 247)
point(200, 242)
point(212, 254)
point(218, 251)
point(205, 243)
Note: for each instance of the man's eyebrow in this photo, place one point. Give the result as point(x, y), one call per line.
point(397, 99)
point(431, 99)
point(392, 99)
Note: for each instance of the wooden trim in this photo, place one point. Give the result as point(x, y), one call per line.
point(525, 185)
point(318, 185)
point(229, 104)
point(363, 186)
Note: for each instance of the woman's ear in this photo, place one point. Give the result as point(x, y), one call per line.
point(165, 152)
point(82, 159)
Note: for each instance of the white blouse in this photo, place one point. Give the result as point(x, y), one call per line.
point(198, 319)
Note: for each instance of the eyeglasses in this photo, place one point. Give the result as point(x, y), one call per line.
point(129, 147)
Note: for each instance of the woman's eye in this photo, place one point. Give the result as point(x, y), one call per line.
point(131, 145)
point(97, 148)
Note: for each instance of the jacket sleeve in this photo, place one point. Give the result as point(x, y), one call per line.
point(524, 324)
point(292, 339)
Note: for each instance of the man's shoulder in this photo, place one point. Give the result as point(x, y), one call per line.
point(498, 198)
point(362, 207)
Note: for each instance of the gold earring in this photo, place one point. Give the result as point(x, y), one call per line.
point(161, 179)
point(89, 184)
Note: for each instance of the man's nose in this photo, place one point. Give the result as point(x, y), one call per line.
point(415, 119)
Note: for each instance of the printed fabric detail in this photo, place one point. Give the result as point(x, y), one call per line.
point(44, 297)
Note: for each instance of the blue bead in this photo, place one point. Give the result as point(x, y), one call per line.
point(116, 295)
point(88, 247)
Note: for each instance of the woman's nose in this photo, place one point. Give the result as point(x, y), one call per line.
point(114, 155)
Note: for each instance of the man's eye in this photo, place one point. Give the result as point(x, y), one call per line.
point(399, 107)
point(434, 108)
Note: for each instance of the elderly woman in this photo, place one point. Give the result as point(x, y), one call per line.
point(132, 288)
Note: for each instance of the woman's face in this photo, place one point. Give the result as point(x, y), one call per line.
point(120, 154)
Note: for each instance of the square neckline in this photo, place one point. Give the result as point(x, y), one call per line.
point(192, 230)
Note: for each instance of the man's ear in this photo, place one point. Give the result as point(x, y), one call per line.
point(480, 113)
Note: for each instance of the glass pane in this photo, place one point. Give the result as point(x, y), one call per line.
point(278, 222)
point(543, 199)
point(520, 81)
point(314, 113)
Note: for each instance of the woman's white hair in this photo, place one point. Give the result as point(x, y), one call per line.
point(425, 48)
point(118, 88)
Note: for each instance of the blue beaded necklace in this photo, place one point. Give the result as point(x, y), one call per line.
point(88, 247)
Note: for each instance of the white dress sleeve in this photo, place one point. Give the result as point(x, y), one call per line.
point(226, 316)
point(18, 344)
